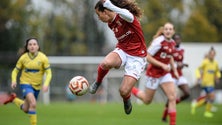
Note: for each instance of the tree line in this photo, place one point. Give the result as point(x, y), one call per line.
point(71, 28)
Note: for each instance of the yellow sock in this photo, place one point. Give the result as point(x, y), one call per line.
point(33, 117)
point(200, 102)
point(18, 102)
point(208, 107)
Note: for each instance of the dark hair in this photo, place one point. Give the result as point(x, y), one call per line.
point(25, 48)
point(176, 34)
point(130, 5)
point(212, 49)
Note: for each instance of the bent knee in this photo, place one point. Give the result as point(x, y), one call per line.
point(106, 64)
point(32, 105)
point(124, 92)
point(25, 110)
point(172, 97)
point(187, 95)
point(147, 101)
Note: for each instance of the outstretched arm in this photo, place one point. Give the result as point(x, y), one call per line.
point(13, 77)
point(124, 13)
point(47, 80)
point(174, 69)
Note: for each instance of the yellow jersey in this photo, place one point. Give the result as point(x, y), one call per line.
point(32, 70)
point(208, 71)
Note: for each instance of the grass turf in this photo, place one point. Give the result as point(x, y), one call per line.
point(62, 113)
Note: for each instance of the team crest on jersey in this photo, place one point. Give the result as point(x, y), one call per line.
point(165, 47)
point(119, 23)
point(176, 54)
point(115, 30)
point(39, 63)
point(142, 51)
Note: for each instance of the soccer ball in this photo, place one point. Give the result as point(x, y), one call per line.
point(79, 85)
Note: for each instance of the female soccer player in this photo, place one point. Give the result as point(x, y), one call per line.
point(182, 83)
point(161, 62)
point(32, 64)
point(130, 52)
point(208, 74)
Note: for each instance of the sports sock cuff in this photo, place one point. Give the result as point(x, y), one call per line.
point(177, 100)
point(21, 106)
point(171, 110)
point(135, 91)
point(201, 97)
point(126, 98)
point(101, 74)
point(31, 112)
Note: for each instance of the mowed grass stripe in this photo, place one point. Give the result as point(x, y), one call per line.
point(61, 113)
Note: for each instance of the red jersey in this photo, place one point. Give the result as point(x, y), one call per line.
point(129, 35)
point(178, 55)
point(162, 51)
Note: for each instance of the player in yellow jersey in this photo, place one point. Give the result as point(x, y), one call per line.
point(32, 64)
point(209, 74)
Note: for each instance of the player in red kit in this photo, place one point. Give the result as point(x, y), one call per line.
point(130, 50)
point(160, 59)
point(182, 83)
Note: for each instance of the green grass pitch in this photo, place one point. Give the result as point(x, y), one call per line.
point(75, 113)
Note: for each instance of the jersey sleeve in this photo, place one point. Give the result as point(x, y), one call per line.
point(197, 73)
point(124, 13)
point(14, 74)
point(46, 64)
point(218, 74)
point(199, 70)
point(48, 77)
point(48, 71)
point(155, 46)
point(17, 68)
point(19, 64)
point(201, 67)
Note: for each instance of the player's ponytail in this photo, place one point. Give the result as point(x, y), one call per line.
point(159, 32)
point(130, 5)
point(212, 48)
point(211, 53)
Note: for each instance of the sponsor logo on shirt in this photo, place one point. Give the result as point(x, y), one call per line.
point(124, 35)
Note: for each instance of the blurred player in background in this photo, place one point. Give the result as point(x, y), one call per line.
point(209, 74)
point(130, 52)
point(182, 83)
point(161, 62)
point(33, 64)
point(202, 99)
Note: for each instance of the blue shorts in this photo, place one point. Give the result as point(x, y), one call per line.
point(29, 89)
point(208, 89)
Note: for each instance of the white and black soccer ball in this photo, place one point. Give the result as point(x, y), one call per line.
point(79, 85)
